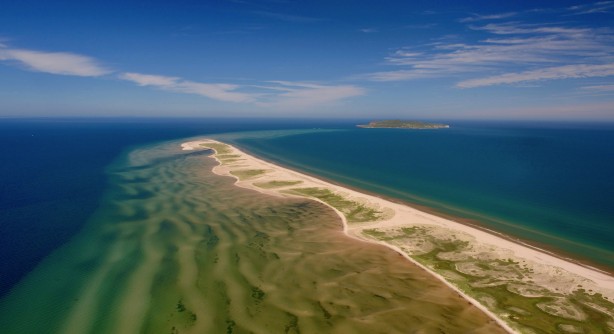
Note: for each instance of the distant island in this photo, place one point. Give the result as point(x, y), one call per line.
point(397, 124)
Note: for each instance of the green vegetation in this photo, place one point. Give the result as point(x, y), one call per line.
point(403, 125)
point(409, 230)
point(380, 235)
point(353, 211)
point(276, 184)
point(375, 233)
point(218, 147)
point(228, 158)
point(504, 286)
point(247, 173)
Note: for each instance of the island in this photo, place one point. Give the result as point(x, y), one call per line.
point(398, 124)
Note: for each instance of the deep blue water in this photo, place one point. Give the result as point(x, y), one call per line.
point(550, 184)
point(52, 176)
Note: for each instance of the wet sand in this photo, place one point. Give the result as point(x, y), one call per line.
point(175, 248)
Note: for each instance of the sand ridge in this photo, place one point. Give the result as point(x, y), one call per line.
point(540, 270)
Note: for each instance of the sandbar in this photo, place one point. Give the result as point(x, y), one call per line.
point(486, 269)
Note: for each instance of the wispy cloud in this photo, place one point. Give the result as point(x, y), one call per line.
point(477, 17)
point(216, 91)
point(271, 94)
point(550, 73)
point(514, 28)
point(368, 30)
point(401, 75)
point(527, 52)
point(591, 8)
point(599, 88)
point(63, 63)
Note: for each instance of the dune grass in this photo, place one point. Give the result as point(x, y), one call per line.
point(218, 147)
point(245, 174)
point(354, 212)
point(505, 286)
point(276, 184)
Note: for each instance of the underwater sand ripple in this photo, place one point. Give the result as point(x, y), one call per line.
point(182, 250)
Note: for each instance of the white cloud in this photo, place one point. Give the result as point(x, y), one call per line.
point(527, 52)
point(62, 63)
point(599, 88)
point(403, 75)
point(149, 80)
point(280, 94)
point(515, 28)
point(597, 7)
point(276, 94)
point(477, 17)
point(550, 73)
point(216, 91)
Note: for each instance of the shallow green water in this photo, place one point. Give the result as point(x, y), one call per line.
point(177, 249)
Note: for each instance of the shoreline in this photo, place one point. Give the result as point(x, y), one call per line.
point(550, 268)
point(470, 222)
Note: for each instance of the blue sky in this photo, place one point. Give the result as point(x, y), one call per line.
point(551, 60)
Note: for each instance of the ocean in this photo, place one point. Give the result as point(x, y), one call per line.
point(53, 175)
point(548, 184)
point(99, 217)
point(123, 232)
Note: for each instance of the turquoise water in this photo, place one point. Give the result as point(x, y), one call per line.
point(549, 184)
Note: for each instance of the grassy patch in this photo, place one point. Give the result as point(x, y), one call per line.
point(227, 156)
point(374, 233)
point(229, 161)
point(407, 231)
point(276, 184)
point(247, 173)
point(492, 285)
point(354, 212)
point(218, 147)
point(378, 234)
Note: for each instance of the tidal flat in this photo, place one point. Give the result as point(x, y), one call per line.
point(175, 248)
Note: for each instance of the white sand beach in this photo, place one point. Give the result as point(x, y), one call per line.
point(533, 272)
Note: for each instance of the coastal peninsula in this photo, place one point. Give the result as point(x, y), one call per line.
point(522, 288)
point(398, 124)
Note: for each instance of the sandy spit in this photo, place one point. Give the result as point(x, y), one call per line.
point(545, 264)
